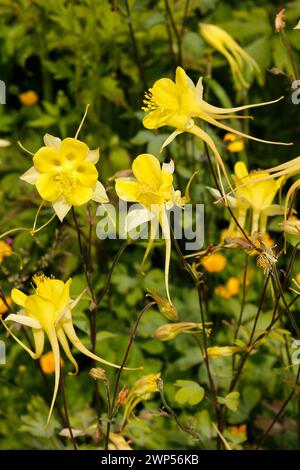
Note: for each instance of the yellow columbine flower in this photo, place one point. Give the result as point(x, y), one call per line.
point(239, 60)
point(5, 250)
point(176, 104)
point(65, 174)
point(234, 144)
point(153, 188)
point(214, 263)
point(141, 390)
point(288, 169)
point(49, 311)
point(257, 195)
point(29, 98)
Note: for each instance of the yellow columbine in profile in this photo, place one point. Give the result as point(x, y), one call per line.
point(239, 60)
point(258, 195)
point(255, 191)
point(288, 169)
point(152, 187)
point(49, 311)
point(65, 174)
point(176, 104)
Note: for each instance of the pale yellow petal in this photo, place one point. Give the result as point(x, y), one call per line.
point(30, 176)
point(100, 194)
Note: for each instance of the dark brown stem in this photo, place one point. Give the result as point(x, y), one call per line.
point(130, 343)
point(175, 29)
point(64, 400)
point(135, 46)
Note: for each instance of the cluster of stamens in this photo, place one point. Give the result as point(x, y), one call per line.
point(149, 101)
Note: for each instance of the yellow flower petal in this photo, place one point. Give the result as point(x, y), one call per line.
point(79, 197)
point(18, 297)
point(86, 173)
point(73, 150)
point(48, 187)
point(146, 169)
point(47, 160)
point(128, 190)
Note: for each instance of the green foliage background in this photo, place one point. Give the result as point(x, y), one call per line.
point(77, 52)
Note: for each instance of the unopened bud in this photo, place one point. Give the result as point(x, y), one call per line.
point(171, 330)
point(98, 373)
point(222, 351)
point(165, 307)
point(122, 397)
point(279, 21)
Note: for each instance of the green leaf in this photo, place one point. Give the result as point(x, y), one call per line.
point(189, 392)
point(231, 401)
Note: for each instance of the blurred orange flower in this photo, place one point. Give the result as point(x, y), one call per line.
point(29, 98)
point(3, 306)
point(5, 250)
point(47, 363)
point(214, 263)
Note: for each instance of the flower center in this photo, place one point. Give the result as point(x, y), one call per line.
point(65, 182)
point(149, 102)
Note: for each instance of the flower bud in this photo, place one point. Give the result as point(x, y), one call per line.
point(122, 397)
point(166, 308)
point(98, 373)
point(279, 21)
point(171, 330)
point(222, 351)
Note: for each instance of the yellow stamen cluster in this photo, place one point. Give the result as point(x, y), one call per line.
point(149, 101)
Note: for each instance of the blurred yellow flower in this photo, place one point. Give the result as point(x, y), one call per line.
point(3, 305)
point(49, 311)
point(230, 289)
point(239, 60)
point(29, 98)
point(234, 143)
point(141, 390)
point(152, 187)
point(5, 250)
point(47, 363)
point(118, 442)
point(222, 351)
point(169, 331)
point(214, 263)
point(175, 104)
point(297, 277)
point(65, 174)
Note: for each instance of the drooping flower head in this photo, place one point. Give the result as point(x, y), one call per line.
point(258, 195)
point(152, 187)
point(49, 312)
point(255, 191)
point(65, 174)
point(176, 104)
point(239, 60)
